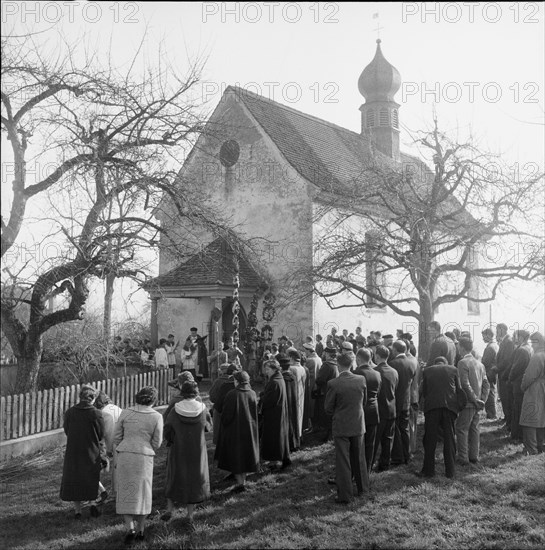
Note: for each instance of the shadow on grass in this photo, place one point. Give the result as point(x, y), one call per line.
point(495, 504)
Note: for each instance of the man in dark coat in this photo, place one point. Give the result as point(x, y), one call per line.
point(406, 370)
point(345, 401)
point(291, 397)
point(373, 382)
point(504, 359)
point(387, 408)
point(439, 384)
point(273, 406)
point(521, 359)
point(327, 372)
point(237, 450)
point(84, 428)
point(441, 346)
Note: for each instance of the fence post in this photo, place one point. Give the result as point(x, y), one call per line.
point(2, 417)
point(39, 409)
point(123, 403)
point(15, 416)
point(9, 412)
point(27, 413)
point(50, 410)
point(33, 412)
point(56, 411)
point(61, 407)
point(66, 400)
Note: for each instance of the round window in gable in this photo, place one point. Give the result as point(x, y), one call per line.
point(229, 153)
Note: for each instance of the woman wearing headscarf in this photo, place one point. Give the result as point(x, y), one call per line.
point(237, 450)
point(84, 429)
point(187, 478)
point(184, 376)
point(273, 405)
point(138, 434)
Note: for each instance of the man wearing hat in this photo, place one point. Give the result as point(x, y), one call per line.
point(327, 372)
point(313, 365)
point(348, 349)
point(345, 401)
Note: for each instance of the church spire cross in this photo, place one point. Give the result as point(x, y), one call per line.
point(378, 27)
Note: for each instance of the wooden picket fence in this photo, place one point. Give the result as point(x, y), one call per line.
point(36, 412)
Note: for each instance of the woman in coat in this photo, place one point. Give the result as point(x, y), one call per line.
point(532, 418)
point(274, 411)
point(220, 387)
point(291, 397)
point(111, 414)
point(187, 479)
point(237, 450)
point(138, 434)
point(84, 429)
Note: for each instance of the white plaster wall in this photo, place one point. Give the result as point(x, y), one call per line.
point(262, 198)
point(519, 305)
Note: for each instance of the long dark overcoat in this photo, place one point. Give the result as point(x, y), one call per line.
point(327, 372)
point(291, 397)
point(217, 396)
point(84, 428)
point(187, 477)
point(274, 410)
point(237, 450)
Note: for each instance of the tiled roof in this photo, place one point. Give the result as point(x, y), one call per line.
point(214, 265)
point(335, 159)
point(323, 153)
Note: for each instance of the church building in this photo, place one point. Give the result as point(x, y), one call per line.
point(270, 168)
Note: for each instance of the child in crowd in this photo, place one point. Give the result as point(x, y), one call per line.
point(161, 355)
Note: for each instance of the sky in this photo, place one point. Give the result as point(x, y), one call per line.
point(478, 66)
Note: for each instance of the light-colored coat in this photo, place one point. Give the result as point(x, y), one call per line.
point(533, 386)
point(300, 375)
point(473, 379)
point(138, 434)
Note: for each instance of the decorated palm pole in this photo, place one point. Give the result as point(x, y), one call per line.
point(236, 305)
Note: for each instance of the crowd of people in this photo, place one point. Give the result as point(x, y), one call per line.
point(364, 393)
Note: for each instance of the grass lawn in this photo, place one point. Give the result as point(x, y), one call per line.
point(499, 503)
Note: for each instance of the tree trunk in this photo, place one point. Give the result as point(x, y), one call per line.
point(108, 298)
point(426, 316)
point(107, 320)
point(28, 367)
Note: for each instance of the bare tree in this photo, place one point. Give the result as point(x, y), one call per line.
point(413, 239)
point(113, 137)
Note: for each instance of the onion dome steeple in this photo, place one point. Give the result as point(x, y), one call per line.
point(378, 83)
point(380, 80)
